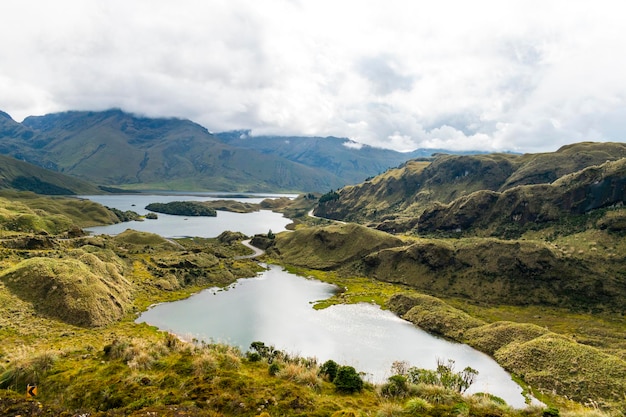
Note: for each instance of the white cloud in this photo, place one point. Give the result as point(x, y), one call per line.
point(515, 75)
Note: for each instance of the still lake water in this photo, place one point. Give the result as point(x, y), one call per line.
point(180, 226)
point(276, 308)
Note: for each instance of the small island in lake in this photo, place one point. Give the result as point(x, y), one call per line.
point(182, 208)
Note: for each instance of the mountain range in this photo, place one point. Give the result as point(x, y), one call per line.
point(114, 148)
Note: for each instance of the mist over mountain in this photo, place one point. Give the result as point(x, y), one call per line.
point(115, 148)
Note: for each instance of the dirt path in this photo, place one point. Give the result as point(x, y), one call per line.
point(257, 252)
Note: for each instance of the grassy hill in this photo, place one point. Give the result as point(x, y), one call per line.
point(395, 200)
point(67, 311)
point(22, 176)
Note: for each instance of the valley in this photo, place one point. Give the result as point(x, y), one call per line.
point(504, 253)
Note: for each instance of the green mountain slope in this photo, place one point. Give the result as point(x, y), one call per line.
point(114, 148)
point(339, 156)
point(22, 176)
point(395, 200)
point(578, 193)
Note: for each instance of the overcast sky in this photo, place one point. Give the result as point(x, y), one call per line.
point(524, 76)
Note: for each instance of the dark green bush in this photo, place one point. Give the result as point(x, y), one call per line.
point(273, 369)
point(348, 380)
point(551, 412)
point(396, 386)
point(329, 369)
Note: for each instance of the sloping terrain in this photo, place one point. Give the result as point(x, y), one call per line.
point(578, 193)
point(114, 148)
point(482, 270)
point(394, 200)
point(332, 246)
point(84, 291)
point(339, 156)
point(22, 176)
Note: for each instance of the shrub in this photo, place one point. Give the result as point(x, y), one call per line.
point(417, 406)
point(444, 376)
point(551, 412)
point(329, 196)
point(396, 386)
point(329, 370)
point(273, 369)
point(348, 380)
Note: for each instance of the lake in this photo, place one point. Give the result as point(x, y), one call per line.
point(171, 226)
point(277, 308)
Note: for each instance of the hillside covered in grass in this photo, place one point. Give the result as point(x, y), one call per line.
point(21, 176)
point(484, 190)
point(117, 149)
point(545, 299)
point(516, 246)
point(67, 310)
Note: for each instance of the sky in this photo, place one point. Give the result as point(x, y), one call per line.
point(497, 75)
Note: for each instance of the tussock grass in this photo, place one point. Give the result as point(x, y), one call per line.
point(557, 365)
point(492, 337)
point(301, 375)
point(417, 406)
point(27, 370)
point(390, 409)
point(85, 291)
point(433, 315)
point(60, 212)
point(436, 394)
point(331, 246)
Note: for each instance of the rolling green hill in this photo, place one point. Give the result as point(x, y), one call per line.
point(22, 176)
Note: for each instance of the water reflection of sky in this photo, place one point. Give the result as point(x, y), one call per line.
point(276, 308)
point(180, 226)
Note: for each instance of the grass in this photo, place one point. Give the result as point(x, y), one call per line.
point(125, 368)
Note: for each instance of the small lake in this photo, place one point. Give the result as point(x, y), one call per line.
point(171, 226)
point(276, 308)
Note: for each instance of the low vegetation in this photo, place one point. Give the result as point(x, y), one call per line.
point(182, 208)
point(544, 299)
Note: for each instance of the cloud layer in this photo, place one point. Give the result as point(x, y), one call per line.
point(517, 75)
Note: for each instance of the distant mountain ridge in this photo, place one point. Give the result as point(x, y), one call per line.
point(115, 148)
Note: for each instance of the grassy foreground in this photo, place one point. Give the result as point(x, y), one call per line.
point(67, 310)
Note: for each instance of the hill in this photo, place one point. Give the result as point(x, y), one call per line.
point(396, 199)
point(22, 176)
point(114, 148)
point(68, 305)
